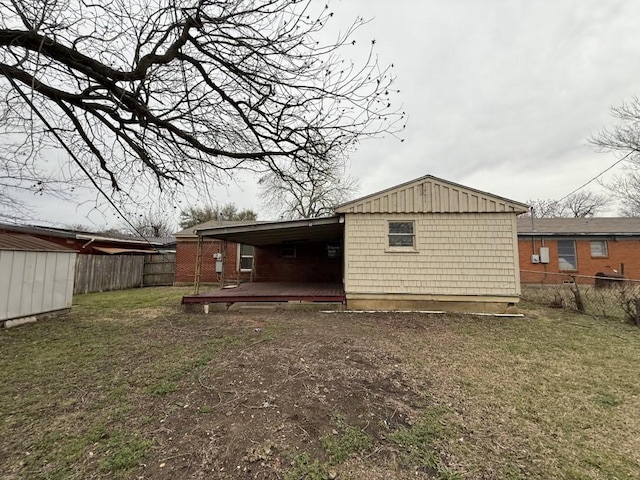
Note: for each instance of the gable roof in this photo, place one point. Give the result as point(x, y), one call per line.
point(430, 194)
point(619, 226)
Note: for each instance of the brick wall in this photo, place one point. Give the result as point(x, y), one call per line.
point(309, 265)
point(186, 253)
point(622, 251)
point(456, 254)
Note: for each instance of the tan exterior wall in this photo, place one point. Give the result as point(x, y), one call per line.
point(456, 254)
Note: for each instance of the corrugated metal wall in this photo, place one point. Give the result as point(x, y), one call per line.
point(35, 282)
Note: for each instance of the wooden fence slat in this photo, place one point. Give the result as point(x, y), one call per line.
point(100, 273)
point(159, 269)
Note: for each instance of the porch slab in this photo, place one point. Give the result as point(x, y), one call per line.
point(271, 292)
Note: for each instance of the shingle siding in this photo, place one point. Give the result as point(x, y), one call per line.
point(456, 254)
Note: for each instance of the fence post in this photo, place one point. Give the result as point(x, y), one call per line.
point(577, 295)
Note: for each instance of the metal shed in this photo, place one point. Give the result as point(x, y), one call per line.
point(36, 277)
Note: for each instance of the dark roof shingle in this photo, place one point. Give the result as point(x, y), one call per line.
point(9, 241)
point(579, 226)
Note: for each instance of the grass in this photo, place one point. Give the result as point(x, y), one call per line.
point(555, 394)
point(347, 441)
point(304, 467)
point(68, 378)
point(417, 443)
point(613, 303)
point(551, 395)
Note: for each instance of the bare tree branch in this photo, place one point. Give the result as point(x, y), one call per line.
point(146, 91)
point(308, 190)
point(624, 139)
point(579, 205)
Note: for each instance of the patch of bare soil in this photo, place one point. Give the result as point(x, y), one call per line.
point(248, 413)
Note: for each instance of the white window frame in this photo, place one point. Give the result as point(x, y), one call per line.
point(604, 248)
point(564, 255)
point(401, 248)
point(241, 256)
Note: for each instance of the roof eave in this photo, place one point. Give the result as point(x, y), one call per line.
point(258, 227)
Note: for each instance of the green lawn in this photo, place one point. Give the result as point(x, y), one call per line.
point(130, 386)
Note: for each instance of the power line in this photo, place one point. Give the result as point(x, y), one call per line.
point(596, 177)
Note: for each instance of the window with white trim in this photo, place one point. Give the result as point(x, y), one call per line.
point(246, 258)
point(402, 234)
point(567, 255)
point(599, 248)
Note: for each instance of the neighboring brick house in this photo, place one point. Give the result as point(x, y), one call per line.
point(238, 259)
point(554, 249)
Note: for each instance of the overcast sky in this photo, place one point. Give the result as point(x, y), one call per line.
point(501, 96)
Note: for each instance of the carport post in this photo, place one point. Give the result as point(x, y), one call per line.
point(223, 249)
point(196, 280)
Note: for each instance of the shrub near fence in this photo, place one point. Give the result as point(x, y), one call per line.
point(601, 296)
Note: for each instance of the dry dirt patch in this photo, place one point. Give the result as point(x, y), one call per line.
point(249, 412)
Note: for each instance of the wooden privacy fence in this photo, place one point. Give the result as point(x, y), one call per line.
point(99, 273)
point(159, 269)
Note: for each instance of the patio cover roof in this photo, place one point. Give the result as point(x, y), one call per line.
point(270, 233)
point(117, 251)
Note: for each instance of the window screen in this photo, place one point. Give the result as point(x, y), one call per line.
point(567, 255)
point(599, 248)
point(401, 234)
point(246, 257)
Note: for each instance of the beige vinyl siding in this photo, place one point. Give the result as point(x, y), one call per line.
point(431, 195)
point(456, 254)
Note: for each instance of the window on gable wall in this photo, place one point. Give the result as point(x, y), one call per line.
point(402, 234)
point(246, 258)
point(599, 248)
point(567, 255)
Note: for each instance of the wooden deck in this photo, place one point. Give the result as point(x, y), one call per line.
point(271, 292)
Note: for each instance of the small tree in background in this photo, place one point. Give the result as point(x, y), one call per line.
point(545, 208)
point(578, 205)
point(585, 204)
point(151, 225)
point(312, 189)
point(197, 215)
